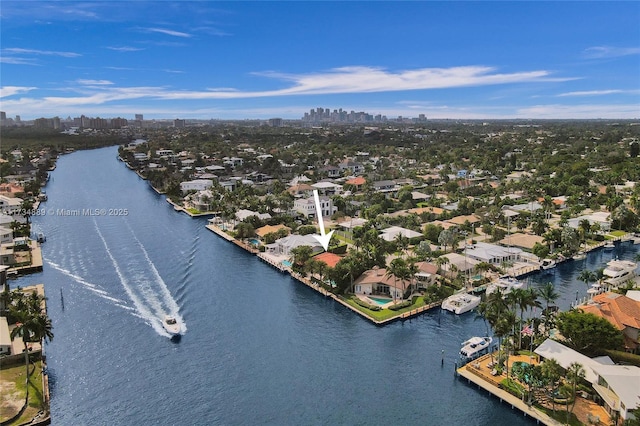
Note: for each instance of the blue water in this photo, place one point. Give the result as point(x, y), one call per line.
point(258, 347)
point(286, 263)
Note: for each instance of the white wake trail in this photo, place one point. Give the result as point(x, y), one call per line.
point(143, 310)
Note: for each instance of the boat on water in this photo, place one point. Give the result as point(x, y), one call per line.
point(580, 256)
point(475, 346)
point(41, 238)
point(619, 271)
point(505, 285)
point(609, 245)
point(547, 264)
point(460, 303)
point(171, 325)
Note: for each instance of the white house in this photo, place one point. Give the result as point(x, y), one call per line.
point(377, 281)
point(5, 337)
point(617, 385)
point(6, 235)
point(307, 206)
point(196, 185)
point(603, 219)
point(493, 254)
point(283, 246)
point(391, 233)
point(9, 205)
point(327, 188)
point(244, 213)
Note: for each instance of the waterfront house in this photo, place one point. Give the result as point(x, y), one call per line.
point(524, 241)
point(196, 185)
point(617, 385)
point(621, 311)
point(493, 254)
point(603, 219)
point(328, 258)
point(283, 246)
point(426, 275)
point(376, 281)
point(5, 337)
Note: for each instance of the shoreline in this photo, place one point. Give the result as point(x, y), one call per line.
point(401, 316)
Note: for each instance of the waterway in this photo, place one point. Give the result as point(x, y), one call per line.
point(257, 348)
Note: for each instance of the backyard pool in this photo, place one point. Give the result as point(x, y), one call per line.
point(380, 301)
point(286, 263)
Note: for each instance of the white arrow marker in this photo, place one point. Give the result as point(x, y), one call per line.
point(322, 238)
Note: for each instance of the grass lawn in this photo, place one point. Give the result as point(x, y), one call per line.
point(13, 391)
point(560, 415)
point(617, 233)
point(385, 314)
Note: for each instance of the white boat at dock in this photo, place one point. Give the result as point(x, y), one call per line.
point(460, 303)
point(609, 245)
point(475, 346)
point(547, 264)
point(580, 256)
point(505, 285)
point(619, 271)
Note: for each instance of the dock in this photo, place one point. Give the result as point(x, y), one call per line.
point(473, 374)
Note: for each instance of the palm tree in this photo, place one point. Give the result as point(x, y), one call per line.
point(575, 373)
point(32, 322)
point(549, 295)
point(398, 269)
point(441, 261)
point(299, 257)
point(587, 276)
point(491, 310)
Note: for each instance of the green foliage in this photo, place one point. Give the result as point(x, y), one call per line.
point(364, 304)
point(621, 357)
point(513, 387)
point(400, 305)
point(587, 333)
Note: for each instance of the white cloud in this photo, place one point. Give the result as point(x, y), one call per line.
point(168, 32)
point(14, 90)
point(598, 92)
point(125, 48)
point(40, 52)
point(593, 111)
point(596, 52)
point(17, 61)
point(94, 82)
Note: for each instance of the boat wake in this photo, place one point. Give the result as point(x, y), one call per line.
point(89, 286)
point(142, 282)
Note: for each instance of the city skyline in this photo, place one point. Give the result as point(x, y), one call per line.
point(257, 60)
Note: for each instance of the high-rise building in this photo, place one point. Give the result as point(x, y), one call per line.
point(139, 117)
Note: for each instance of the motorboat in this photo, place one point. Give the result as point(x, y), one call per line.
point(595, 289)
point(609, 245)
point(460, 303)
point(619, 271)
point(579, 256)
point(171, 325)
point(474, 346)
point(505, 285)
point(41, 238)
point(547, 264)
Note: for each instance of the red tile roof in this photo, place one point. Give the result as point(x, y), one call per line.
point(330, 259)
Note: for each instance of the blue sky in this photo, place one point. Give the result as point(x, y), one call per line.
point(234, 60)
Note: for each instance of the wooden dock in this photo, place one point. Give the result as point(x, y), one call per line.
point(474, 375)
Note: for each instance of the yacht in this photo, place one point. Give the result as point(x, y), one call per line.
point(619, 271)
point(579, 256)
point(474, 346)
point(547, 264)
point(609, 245)
point(460, 303)
point(505, 285)
point(171, 325)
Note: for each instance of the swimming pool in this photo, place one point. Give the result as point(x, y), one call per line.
point(286, 263)
point(254, 242)
point(380, 301)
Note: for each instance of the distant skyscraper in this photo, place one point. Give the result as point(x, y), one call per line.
point(139, 117)
point(3, 115)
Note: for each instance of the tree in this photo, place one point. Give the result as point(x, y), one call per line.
point(299, 257)
point(32, 322)
point(575, 373)
point(548, 293)
point(589, 334)
point(398, 269)
point(446, 238)
point(552, 373)
point(587, 276)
